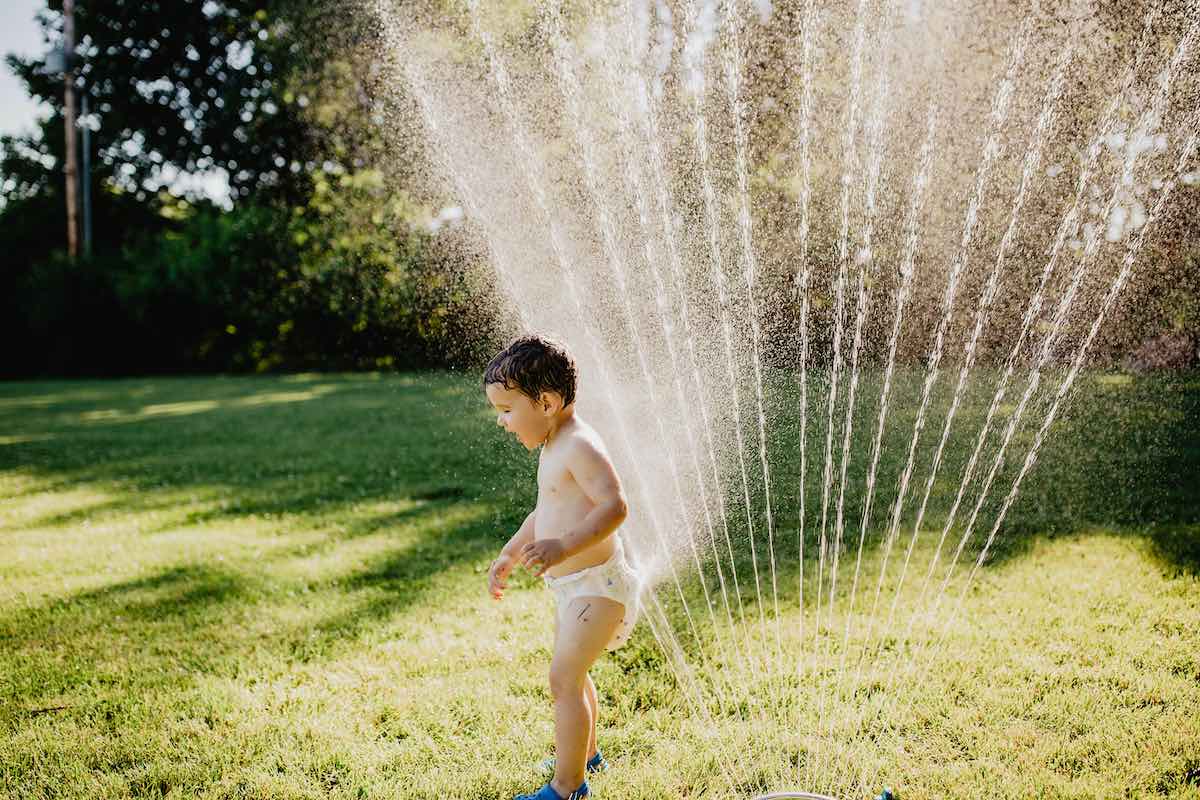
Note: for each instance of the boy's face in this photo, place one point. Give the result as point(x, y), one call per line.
point(520, 415)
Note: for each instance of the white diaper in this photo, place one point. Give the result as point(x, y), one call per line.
point(613, 579)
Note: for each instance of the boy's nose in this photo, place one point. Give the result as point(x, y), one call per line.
point(500, 420)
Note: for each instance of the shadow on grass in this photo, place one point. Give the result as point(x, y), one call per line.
point(156, 631)
point(1176, 548)
point(394, 582)
point(185, 591)
point(1122, 456)
point(338, 459)
point(1125, 458)
point(357, 441)
point(166, 630)
point(414, 460)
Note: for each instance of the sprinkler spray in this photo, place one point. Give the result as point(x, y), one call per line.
point(886, 794)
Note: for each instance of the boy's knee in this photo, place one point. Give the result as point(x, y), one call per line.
point(564, 683)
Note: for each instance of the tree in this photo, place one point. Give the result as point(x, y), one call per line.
point(195, 86)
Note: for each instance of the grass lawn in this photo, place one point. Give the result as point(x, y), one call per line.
point(274, 587)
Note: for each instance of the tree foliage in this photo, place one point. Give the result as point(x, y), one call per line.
point(185, 86)
point(312, 260)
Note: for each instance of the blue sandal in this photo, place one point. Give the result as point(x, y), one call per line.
point(596, 763)
point(547, 793)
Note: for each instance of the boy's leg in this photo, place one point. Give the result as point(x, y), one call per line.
point(594, 706)
point(585, 631)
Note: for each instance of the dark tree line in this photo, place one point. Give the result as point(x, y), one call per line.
point(310, 262)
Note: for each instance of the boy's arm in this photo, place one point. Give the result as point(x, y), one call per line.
point(502, 566)
point(594, 472)
point(522, 537)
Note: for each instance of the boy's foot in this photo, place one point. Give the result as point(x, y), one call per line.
point(547, 793)
point(596, 763)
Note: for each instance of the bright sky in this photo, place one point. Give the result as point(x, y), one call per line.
point(19, 33)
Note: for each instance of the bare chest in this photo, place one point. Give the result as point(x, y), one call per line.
point(554, 481)
point(559, 497)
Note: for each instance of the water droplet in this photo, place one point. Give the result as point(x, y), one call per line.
point(1137, 217)
point(1140, 144)
point(449, 216)
point(1116, 224)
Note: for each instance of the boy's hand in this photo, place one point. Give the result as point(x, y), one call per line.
point(542, 555)
point(498, 575)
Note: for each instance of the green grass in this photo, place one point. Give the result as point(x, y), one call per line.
point(274, 587)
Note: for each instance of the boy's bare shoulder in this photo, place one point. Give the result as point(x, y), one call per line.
point(583, 441)
point(582, 432)
point(586, 459)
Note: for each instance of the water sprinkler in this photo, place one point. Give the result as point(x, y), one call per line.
point(886, 794)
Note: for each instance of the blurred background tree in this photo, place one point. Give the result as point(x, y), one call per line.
point(238, 221)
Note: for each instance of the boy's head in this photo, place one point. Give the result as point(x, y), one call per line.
point(529, 382)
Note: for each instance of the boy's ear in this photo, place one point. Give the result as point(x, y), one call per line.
point(550, 402)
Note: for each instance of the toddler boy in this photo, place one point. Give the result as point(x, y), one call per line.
point(568, 541)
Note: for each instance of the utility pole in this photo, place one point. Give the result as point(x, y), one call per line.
point(72, 170)
point(86, 179)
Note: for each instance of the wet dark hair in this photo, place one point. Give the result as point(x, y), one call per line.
point(533, 364)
